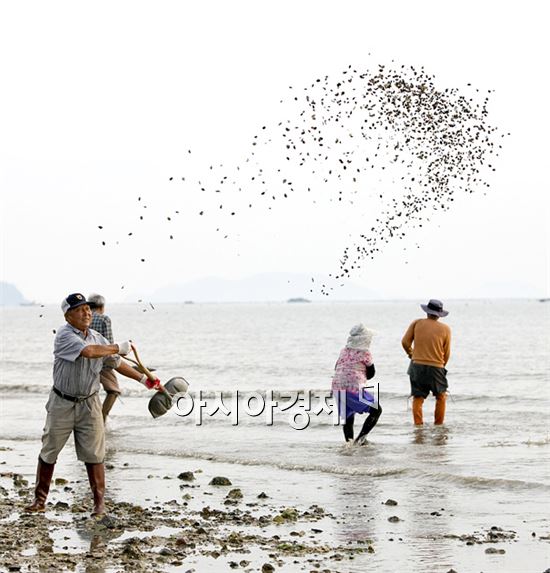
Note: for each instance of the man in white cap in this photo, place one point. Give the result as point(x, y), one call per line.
point(427, 343)
point(74, 405)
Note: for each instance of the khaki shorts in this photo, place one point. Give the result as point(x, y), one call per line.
point(84, 419)
point(109, 381)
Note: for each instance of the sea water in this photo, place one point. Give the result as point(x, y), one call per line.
point(488, 465)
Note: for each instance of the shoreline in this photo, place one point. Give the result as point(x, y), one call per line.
point(164, 515)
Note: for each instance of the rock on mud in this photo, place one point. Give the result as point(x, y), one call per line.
point(220, 480)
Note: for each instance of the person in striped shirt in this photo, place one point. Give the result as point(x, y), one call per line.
point(102, 323)
point(73, 406)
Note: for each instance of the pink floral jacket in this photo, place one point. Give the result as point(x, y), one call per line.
point(350, 370)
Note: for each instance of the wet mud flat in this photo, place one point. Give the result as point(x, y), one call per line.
point(171, 513)
point(241, 534)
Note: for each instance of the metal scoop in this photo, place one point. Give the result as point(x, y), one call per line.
point(161, 402)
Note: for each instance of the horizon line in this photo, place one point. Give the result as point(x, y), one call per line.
point(303, 300)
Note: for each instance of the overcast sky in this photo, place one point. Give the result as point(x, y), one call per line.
point(101, 102)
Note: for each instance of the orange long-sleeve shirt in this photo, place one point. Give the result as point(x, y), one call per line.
point(428, 341)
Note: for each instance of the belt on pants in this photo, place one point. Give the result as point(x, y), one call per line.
point(73, 398)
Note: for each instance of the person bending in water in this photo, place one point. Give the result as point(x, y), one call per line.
point(353, 368)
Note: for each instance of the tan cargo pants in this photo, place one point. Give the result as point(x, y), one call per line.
point(84, 419)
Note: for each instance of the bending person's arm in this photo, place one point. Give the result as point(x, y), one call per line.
point(407, 340)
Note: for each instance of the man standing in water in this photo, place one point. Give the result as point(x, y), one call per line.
point(427, 343)
point(74, 405)
point(102, 323)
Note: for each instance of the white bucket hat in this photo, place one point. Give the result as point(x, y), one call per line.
point(360, 337)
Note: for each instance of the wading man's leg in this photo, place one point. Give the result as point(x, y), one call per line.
point(418, 402)
point(440, 403)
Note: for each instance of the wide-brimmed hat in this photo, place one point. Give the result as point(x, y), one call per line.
point(73, 301)
point(434, 307)
point(359, 337)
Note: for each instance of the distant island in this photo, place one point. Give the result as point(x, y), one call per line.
point(261, 287)
point(11, 296)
